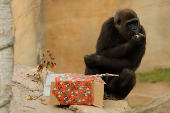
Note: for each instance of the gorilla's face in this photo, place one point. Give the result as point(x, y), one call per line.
point(127, 23)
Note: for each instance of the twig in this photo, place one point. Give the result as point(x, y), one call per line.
point(28, 107)
point(107, 74)
point(37, 97)
point(15, 82)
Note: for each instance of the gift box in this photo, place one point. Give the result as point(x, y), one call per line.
point(74, 89)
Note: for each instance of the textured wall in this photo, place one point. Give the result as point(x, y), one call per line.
point(73, 26)
point(25, 16)
point(6, 55)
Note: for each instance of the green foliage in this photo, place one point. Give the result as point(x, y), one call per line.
point(132, 107)
point(158, 74)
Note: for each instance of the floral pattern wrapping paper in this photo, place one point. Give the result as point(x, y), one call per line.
point(75, 89)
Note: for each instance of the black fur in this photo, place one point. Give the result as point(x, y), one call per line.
point(117, 52)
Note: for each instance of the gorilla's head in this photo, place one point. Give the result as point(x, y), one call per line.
point(127, 23)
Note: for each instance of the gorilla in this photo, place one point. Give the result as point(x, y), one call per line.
point(119, 50)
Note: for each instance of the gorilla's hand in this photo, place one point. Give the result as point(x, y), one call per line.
point(90, 60)
point(140, 37)
point(137, 39)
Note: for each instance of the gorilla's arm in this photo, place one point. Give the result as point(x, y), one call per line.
point(98, 61)
point(118, 51)
point(123, 49)
point(110, 63)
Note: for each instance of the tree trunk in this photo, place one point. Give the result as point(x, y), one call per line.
point(6, 55)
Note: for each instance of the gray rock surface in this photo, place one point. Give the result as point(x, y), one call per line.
point(110, 106)
point(159, 105)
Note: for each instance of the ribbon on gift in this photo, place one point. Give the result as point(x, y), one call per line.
point(78, 77)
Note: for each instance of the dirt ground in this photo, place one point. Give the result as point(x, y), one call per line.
point(144, 92)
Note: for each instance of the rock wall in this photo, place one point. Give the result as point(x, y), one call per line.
point(74, 26)
point(25, 15)
point(72, 29)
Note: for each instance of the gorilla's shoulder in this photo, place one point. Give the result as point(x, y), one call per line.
point(108, 24)
point(109, 21)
